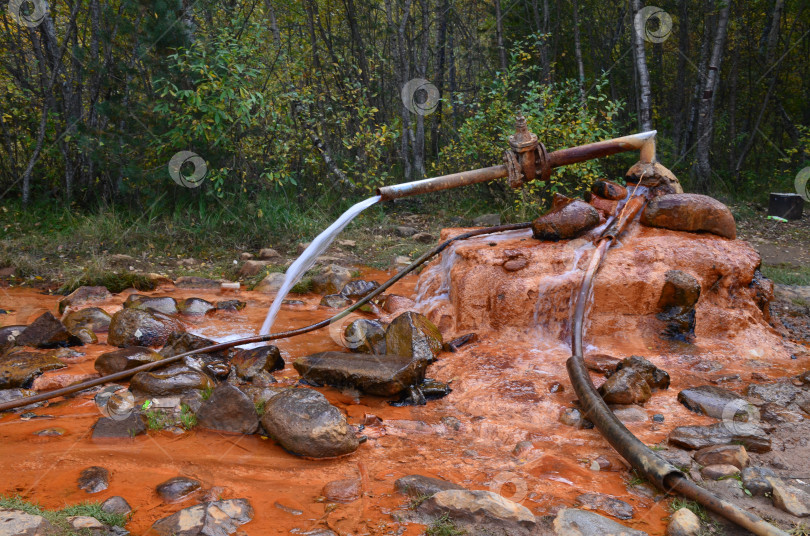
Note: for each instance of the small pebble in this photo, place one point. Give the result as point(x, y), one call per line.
point(658, 417)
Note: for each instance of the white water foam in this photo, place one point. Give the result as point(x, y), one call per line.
point(308, 257)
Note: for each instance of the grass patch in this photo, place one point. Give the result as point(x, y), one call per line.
point(679, 502)
point(303, 286)
point(444, 526)
point(59, 517)
point(787, 275)
point(187, 417)
point(800, 529)
point(260, 406)
point(158, 420)
point(416, 501)
point(115, 282)
point(207, 392)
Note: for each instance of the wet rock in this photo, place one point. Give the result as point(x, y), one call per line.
point(658, 417)
point(575, 522)
point(119, 428)
point(94, 479)
point(125, 359)
point(781, 393)
point(735, 455)
point(335, 301)
point(357, 289)
point(7, 395)
point(176, 382)
point(775, 414)
point(342, 491)
point(134, 327)
point(697, 437)
point(251, 362)
point(574, 417)
point(568, 218)
point(271, 283)
point(609, 190)
point(604, 364)
point(655, 177)
point(86, 336)
point(163, 304)
point(8, 336)
point(116, 505)
point(683, 522)
point(422, 486)
point(677, 457)
point(180, 342)
point(487, 220)
point(654, 376)
point(177, 488)
point(331, 280)
point(46, 332)
point(404, 231)
point(228, 410)
point(19, 523)
point(84, 295)
point(714, 401)
point(719, 471)
point(626, 386)
point(394, 303)
point(195, 282)
point(305, 423)
point(793, 500)
point(19, 368)
point(51, 432)
point(230, 305)
point(480, 511)
point(690, 212)
point(628, 414)
point(605, 504)
point(413, 335)
point(215, 518)
point(195, 306)
point(755, 480)
point(365, 336)
point(381, 375)
point(92, 318)
point(677, 304)
point(455, 344)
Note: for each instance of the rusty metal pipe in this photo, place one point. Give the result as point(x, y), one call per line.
point(663, 474)
point(644, 142)
point(260, 338)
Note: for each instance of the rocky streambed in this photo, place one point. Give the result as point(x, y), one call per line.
point(390, 422)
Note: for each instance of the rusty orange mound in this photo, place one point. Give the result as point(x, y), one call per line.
point(473, 289)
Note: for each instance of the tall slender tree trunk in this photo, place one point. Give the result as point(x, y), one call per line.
point(441, 46)
point(702, 168)
point(578, 54)
point(681, 100)
point(499, 35)
point(402, 62)
point(645, 92)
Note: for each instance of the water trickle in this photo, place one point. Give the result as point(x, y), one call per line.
point(308, 257)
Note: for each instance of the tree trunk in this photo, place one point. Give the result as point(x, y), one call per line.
point(499, 35)
point(441, 45)
point(645, 93)
point(703, 169)
point(578, 54)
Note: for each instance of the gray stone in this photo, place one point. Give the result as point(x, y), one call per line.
point(357, 289)
point(335, 301)
point(195, 306)
point(605, 504)
point(755, 480)
point(216, 518)
point(305, 423)
point(697, 437)
point(480, 511)
point(413, 335)
point(94, 479)
point(331, 280)
point(163, 304)
point(735, 455)
point(125, 359)
point(116, 505)
point(419, 486)
point(177, 488)
point(714, 401)
point(228, 410)
point(780, 393)
point(170, 382)
point(271, 283)
point(789, 498)
point(19, 523)
point(250, 362)
point(719, 471)
point(628, 414)
point(575, 522)
point(381, 375)
point(404, 231)
point(677, 457)
point(108, 428)
point(83, 295)
point(683, 522)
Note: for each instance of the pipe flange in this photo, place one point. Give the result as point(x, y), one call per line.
point(515, 175)
point(542, 163)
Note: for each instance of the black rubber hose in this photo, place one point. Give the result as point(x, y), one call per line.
point(24, 401)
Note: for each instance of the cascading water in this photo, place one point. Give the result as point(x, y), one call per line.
point(308, 257)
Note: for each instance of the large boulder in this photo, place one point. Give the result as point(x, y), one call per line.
point(134, 327)
point(697, 437)
point(480, 511)
point(92, 318)
point(47, 332)
point(413, 335)
point(305, 423)
point(381, 375)
point(174, 381)
point(84, 295)
point(19, 368)
point(715, 402)
point(690, 212)
point(252, 361)
point(125, 359)
point(228, 410)
point(568, 218)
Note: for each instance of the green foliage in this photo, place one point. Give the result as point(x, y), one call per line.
point(787, 274)
point(207, 392)
point(157, 419)
point(679, 502)
point(114, 281)
point(260, 406)
point(59, 517)
point(444, 526)
point(187, 417)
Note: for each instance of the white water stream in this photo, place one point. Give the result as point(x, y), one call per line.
point(309, 256)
